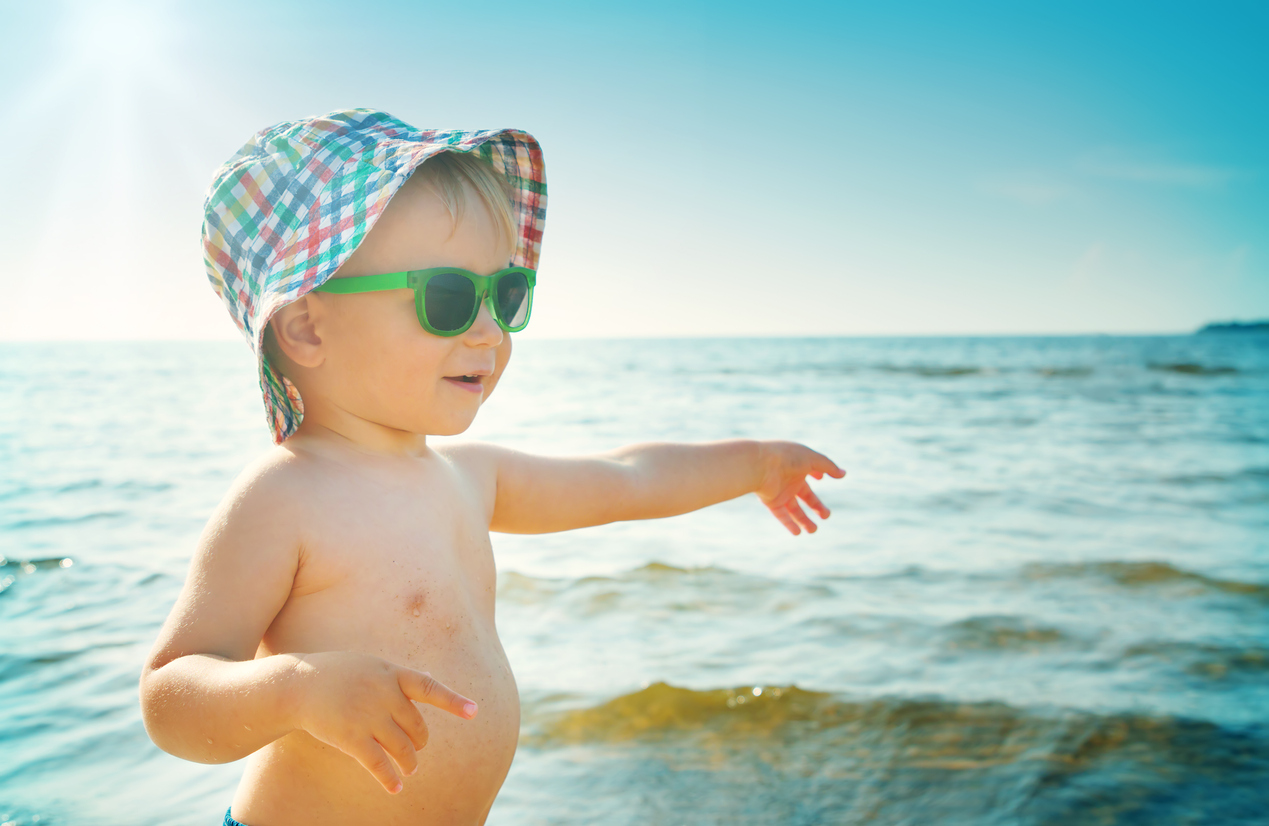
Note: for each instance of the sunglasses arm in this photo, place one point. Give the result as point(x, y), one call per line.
point(367, 283)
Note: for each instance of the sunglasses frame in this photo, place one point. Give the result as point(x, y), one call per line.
point(417, 280)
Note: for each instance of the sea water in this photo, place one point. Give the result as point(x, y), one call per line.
point(1042, 597)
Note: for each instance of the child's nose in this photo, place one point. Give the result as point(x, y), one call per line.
point(484, 330)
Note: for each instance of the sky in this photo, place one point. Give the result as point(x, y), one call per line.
point(714, 169)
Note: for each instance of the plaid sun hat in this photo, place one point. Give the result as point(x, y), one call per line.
point(297, 200)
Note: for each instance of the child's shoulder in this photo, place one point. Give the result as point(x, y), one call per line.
point(468, 455)
point(257, 531)
point(277, 468)
point(279, 482)
point(477, 462)
point(305, 483)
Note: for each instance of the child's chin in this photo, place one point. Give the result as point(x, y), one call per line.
point(452, 427)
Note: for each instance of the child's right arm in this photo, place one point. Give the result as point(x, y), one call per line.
point(205, 698)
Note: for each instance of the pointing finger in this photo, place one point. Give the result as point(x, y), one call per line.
point(830, 467)
point(424, 688)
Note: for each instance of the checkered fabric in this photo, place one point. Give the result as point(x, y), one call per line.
point(293, 204)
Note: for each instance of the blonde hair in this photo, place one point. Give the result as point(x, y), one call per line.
point(447, 172)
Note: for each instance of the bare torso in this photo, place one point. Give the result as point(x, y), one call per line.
point(397, 564)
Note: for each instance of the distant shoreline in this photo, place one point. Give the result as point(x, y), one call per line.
point(1235, 327)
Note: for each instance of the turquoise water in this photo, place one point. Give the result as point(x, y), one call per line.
point(1043, 595)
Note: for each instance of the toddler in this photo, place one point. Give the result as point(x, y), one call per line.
point(337, 624)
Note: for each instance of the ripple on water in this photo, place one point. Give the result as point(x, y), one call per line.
point(1146, 574)
point(1006, 634)
point(1206, 661)
point(11, 570)
point(934, 371)
point(763, 754)
point(1189, 368)
point(657, 585)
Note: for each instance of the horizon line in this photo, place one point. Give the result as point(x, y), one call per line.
point(674, 337)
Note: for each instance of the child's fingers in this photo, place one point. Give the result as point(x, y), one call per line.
point(800, 516)
point(809, 497)
point(422, 687)
point(785, 519)
point(399, 748)
point(412, 723)
point(371, 755)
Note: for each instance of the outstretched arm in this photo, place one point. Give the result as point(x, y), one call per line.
point(537, 494)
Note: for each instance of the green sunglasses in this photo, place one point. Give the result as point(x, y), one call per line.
point(447, 299)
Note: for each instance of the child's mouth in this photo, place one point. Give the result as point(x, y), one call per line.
point(470, 383)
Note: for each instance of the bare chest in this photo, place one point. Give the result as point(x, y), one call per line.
point(391, 574)
point(405, 573)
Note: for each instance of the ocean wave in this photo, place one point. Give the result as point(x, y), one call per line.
point(932, 732)
point(666, 586)
point(943, 371)
point(1065, 372)
point(517, 585)
point(1250, 474)
point(16, 665)
point(11, 569)
point(660, 587)
point(786, 755)
point(953, 371)
point(662, 709)
point(917, 370)
point(1144, 575)
point(61, 521)
point(1189, 368)
point(989, 745)
point(933, 370)
point(1005, 633)
point(32, 565)
point(128, 489)
point(1205, 660)
point(781, 754)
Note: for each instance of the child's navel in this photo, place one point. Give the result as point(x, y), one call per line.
point(415, 602)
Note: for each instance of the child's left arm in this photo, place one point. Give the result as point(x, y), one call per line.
point(538, 494)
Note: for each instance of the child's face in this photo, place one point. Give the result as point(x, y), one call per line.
point(380, 365)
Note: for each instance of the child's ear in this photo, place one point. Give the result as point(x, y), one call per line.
point(295, 332)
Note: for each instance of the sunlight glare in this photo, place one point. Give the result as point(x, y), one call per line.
point(119, 38)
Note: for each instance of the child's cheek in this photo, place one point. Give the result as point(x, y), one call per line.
point(501, 356)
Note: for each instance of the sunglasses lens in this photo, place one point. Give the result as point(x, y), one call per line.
point(448, 301)
point(513, 299)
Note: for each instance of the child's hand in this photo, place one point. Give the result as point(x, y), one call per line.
point(785, 468)
point(361, 705)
